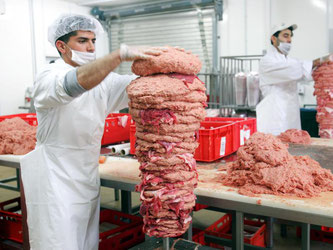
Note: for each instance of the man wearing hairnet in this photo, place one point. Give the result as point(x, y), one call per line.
point(73, 96)
point(279, 74)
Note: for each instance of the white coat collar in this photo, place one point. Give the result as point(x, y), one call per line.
point(274, 52)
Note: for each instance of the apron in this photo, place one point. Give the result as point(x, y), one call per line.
point(62, 212)
point(278, 112)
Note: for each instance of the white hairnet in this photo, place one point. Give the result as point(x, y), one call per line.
point(72, 22)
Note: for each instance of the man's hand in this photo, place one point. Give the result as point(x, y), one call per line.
point(319, 61)
point(328, 58)
point(128, 53)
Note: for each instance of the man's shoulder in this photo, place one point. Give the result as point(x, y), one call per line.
point(57, 67)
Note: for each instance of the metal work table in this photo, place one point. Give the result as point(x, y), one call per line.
point(238, 208)
point(13, 163)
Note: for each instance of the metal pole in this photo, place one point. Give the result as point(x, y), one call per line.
point(269, 232)
point(126, 202)
point(237, 230)
point(305, 236)
point(166, 243)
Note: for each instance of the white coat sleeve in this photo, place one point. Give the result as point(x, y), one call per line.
point(307, 70)
point(49, 89)
point(117, 95)
point(276, 72)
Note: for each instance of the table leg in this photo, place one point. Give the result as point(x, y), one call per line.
point(189, 233)
point(305, 236)
point(25, 232)
point(166, 243)
point(269, 231)
point(283, 230)
point(116, 194)
point(237, 230)
point(126, 202)
point(18, 176)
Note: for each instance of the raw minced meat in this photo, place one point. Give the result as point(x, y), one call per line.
point(16, 137)
point(264, 166)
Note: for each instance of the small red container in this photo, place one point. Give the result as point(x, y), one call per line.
point(114, 130)
point(128, 232)
point(10, 221)
point(244, 127)
point(222, 229)
point(215, 140)
point(30, 118)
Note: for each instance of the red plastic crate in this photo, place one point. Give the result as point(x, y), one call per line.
point(132, 139)
point(30, 118)
point(222, 229)
point(127, 234)
point(199, 206)
point(244, 127)
point(327, 229)
point(10, 221)
point(198, 236)
point(215, 140)
point(318, 235)
point(113, 129)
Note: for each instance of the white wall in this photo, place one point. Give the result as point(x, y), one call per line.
point(15, 59)
point(244, 27)
point(17, 70)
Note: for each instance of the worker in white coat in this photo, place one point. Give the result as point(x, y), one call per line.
point(73, 96)
point(279, 74)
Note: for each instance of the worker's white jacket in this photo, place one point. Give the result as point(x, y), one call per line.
point(60, 177)
point(279, 109)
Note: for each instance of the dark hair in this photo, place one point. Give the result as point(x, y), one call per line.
point(65, 38)
point(277, 33)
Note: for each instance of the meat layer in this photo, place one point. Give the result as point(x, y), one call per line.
point(170, 60)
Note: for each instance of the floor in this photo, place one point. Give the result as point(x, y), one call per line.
point(202, 219)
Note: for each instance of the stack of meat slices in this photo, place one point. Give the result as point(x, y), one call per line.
point(323, 77)
point(167, 109)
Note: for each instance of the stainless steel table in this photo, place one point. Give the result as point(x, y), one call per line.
point(238, 208)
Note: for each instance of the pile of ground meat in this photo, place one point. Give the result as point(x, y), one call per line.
point(323, 77)
point(167, 109)
point(264, 166)
point(296, 136)
point(16, 137)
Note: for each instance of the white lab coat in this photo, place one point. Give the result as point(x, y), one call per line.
point(60, 177)
point(279, 75)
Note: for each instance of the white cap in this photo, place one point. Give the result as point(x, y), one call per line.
point(68, 23)
point(282, 26)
